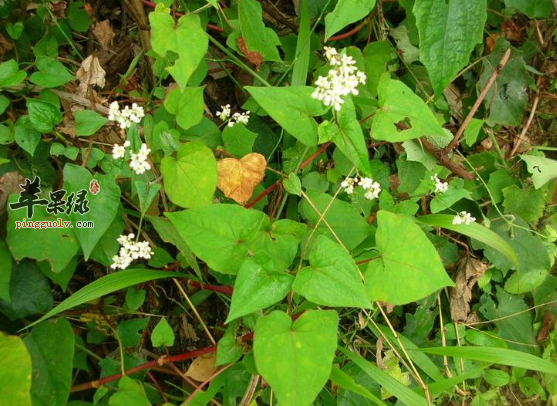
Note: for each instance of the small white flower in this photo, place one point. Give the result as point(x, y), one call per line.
point(463, 218)
point(139, 162)
point(440, 187)
point(118, 151)
point(342, 80)
point(366, 183)
point(239, 118)
point(348, 185)
point(129, 251)
point(224, 114)
point(372, 192)
point(126, 116)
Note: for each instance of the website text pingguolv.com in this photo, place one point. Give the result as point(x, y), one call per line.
point(59, 223)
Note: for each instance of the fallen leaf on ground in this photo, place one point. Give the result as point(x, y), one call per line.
point(203, 367)
point(239, 177)
point(104, 33)
point(90, 73)
point(469, 271)
point(9, 183)
point(254, 57)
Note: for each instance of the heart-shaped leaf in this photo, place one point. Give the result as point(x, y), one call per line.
point(333, 279)
point(409, 267)
point(296, 357)
point(239, 177)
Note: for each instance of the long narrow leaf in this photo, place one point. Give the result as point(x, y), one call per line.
point(496, 355)
point(404, 394)
point(449, 384)
point(475, 231)
point(345, 381)
point(106, 285)
point(301, 62)
point(421, 360)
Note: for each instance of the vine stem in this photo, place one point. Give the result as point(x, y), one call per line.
point(159, 362)
point(476, 106)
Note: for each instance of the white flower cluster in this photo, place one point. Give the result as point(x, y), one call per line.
point(138, 161)
point(127, 116)
point(440, 187)
point(342, 80)
point(372, 188)
point(225, 115)
point(463, 218)
point(129, 251)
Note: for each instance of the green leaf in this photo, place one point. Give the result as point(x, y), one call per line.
point(77, 17)
point(187, 104)
point(512, 318)
point(130, 392)
point(293, 108)
point(475, 231)
point(219, 234)
point(10, 75)
point(349, 137)
point(346, 12)
point(4, 103)
point(258, 38)
point(88, 122)
point(496, 377)
point(526, 204)
point(333, 279)
point(303, 47)
point(258, 285)
point(409, 267)
point(52, 73)
point(345, 381)
point(187, 39)
point(190, 179)
point(162, 334)
point(6, 265)
point(448, 31)
point(376, 56)
point(146, 191)
point(400, 105)
point(390, 384)
point(238, 140)
point(51, 345)
point(103, 206)
point(342, 217)
point(496, 355)
point(130, 331)
point(15, 374)
point(135, 298)
point(229, 350)
point(26, 136)
point(56, 245)
point(29, 290)
point(456, 192)
point(106, 285)
point(15, 30)
point(296, 357)
point(542, 169)
point(508, 97)
point(43, 116)
point(532, 8)
point(292, 184)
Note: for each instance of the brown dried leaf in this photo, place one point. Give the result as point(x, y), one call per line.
point(9, 183)
point(254, 57)
point(469, 271)
point(5, 46)
point(104, 33)
point(239, 177)
point(203, 367)
point(91, 73)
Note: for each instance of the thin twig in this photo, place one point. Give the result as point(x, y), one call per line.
point(454, 143)
point(526, 127)
point(199, 318)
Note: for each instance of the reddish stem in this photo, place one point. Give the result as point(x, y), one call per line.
point(315, 155)
point(263, 194)
point(205, 286)
point(348, 33)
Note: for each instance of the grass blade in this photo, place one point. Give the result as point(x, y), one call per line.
point(345, 381)
point(303, 45)
point(106, 285)
point(475, 231)
point(496, 355)
point(403, 393)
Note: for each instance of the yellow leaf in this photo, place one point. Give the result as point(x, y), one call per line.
point(203, 367)
point(239, 177)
